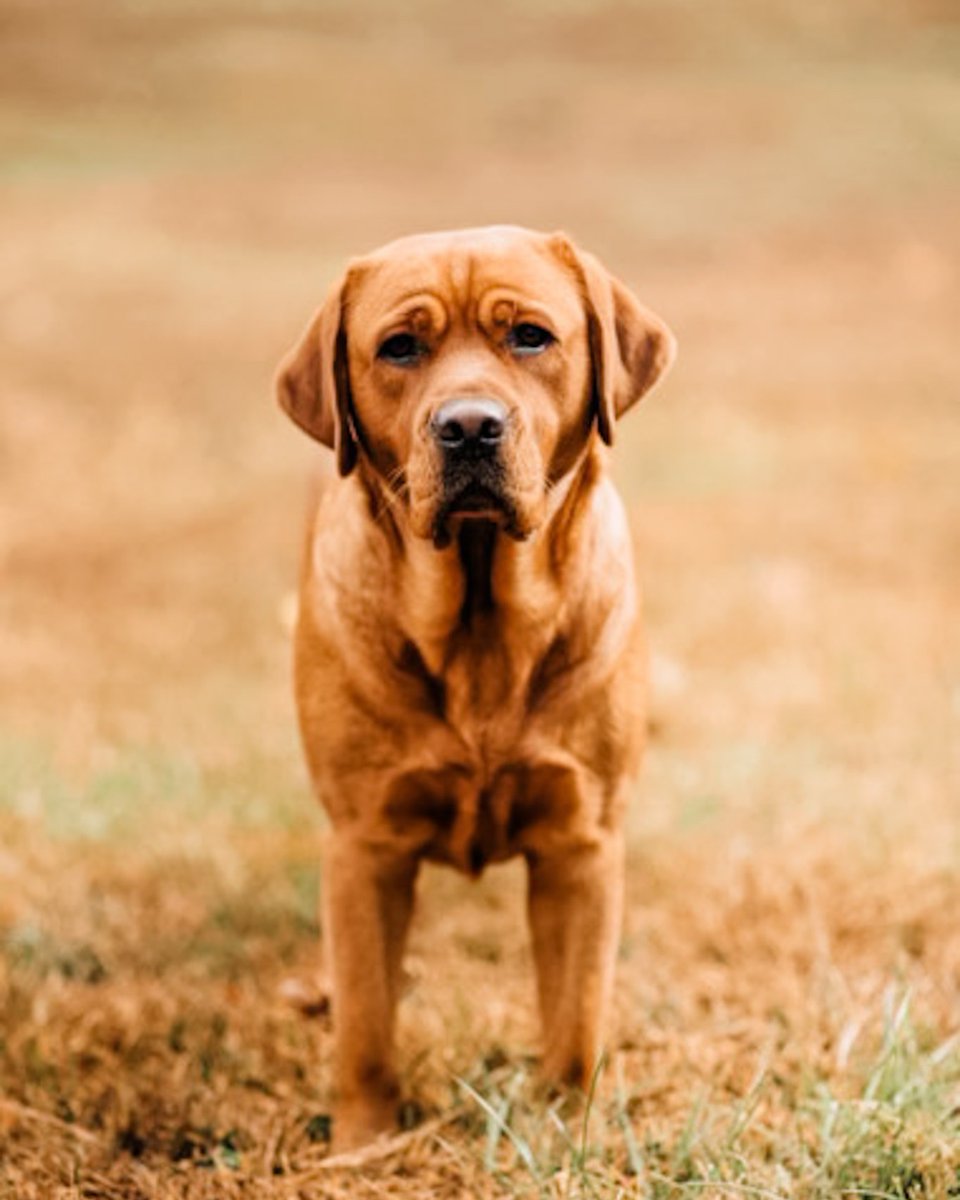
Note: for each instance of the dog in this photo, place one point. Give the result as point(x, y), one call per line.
point(469, 653)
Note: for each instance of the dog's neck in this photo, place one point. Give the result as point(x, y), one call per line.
point(476, 547)
point(487, 593)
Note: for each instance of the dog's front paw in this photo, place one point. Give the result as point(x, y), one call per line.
point(359, 1122)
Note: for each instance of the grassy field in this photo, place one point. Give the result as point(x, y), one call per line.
point(781, 181)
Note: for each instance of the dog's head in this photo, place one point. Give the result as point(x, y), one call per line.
point(466, 372)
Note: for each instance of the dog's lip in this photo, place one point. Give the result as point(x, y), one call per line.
point(475, 500)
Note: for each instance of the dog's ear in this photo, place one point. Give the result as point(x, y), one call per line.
point(313, 381)
point(630, 346)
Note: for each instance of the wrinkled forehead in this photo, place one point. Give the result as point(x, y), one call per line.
point(461, 271)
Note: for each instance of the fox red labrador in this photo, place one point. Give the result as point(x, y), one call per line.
point(469, 653)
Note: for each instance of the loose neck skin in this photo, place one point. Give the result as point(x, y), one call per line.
point(487, 586)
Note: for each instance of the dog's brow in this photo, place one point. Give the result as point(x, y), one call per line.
point(460, 270)
point(415, 308)
point(503, 296)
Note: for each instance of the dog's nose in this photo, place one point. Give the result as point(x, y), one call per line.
point(470, 423)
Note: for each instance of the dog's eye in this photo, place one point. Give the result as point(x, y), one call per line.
point(402, 349)
point(527, 338)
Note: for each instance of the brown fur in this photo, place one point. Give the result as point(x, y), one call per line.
point(470, 687)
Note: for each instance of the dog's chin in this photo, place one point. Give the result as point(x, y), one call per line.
point(475, 503)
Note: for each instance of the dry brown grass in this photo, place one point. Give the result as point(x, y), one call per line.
point(781, 182)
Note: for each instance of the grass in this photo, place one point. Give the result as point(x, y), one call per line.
point(892, 1135)
point(768, 1043)
point(875, 1144)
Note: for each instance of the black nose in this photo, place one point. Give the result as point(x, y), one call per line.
point(470, 424)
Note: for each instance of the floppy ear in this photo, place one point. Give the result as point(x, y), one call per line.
point(313, 382)
point(630, 346)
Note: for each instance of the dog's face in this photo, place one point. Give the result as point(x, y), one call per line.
point(470, 377)
point(468, 371)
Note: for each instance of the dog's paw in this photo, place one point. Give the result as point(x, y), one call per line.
point(362, 1123)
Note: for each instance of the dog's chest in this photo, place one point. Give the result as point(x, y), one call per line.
point(497, 774)
point(469, 814)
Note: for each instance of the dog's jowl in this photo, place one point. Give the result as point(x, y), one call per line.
point(469, 656)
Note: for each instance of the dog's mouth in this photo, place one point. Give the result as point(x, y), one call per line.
point(474, 502)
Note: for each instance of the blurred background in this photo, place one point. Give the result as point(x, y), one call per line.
point(180, 182)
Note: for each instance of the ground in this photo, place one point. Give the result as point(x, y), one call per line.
point(781, 183)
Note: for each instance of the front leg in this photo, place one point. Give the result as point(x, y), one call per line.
point(368, 899)
point(575, 901)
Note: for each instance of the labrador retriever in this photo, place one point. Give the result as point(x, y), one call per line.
point(469, 656)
